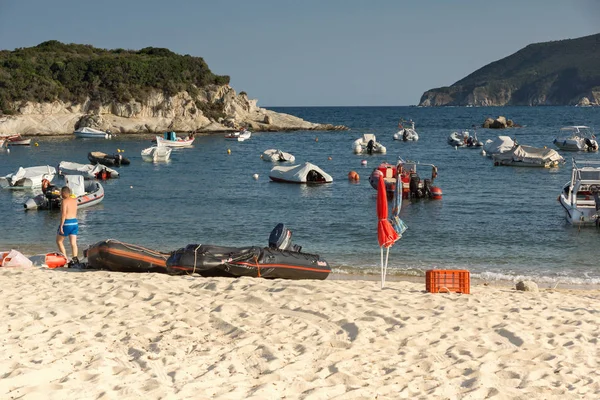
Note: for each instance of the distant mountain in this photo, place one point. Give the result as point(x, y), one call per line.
point(564, 72)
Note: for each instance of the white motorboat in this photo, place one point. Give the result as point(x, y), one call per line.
point(580, 196)
point(406, 134)
point(501, 144)
point(87, 193)
point(240, 136)
point(17, 140)
point(368, 145)
point(576, 138)
point(170, 139)
point(303, 173)
point(464, 139)
point(91, 133)
point(28, 178)
point(158, 153)
point(275, 155)
point(88, 171)
point(528, 156)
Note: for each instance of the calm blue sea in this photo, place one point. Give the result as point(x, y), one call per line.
point(498, 222)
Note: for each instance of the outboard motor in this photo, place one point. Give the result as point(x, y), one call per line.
point(281, 238)
point(370, 146)
point(592, 145)
point(413, 186)
point(405, 135)
point(427, 188)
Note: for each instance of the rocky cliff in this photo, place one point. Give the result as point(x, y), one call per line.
point(565, 72)
point(158, 113)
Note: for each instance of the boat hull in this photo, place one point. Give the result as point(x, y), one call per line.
point(578, 216)
point(94, 195)
point(97, 157)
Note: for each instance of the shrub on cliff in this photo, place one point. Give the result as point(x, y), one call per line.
point(72, 72)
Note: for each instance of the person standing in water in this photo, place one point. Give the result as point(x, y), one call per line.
point(68, 224)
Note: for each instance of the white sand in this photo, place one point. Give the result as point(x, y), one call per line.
point(88, 335)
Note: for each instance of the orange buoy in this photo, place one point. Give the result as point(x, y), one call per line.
point(353, 176)
point(436, 193)
point(55, 260)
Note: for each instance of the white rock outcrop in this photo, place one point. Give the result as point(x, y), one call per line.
point(157, 113)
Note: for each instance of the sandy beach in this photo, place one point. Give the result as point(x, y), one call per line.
point(106, 335)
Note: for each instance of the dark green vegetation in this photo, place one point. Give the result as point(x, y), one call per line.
point(73, 72)
point(551, 73)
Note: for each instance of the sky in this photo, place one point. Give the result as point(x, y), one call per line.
point(312, 52)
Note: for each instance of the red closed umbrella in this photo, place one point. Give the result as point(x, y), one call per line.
point(386, 235)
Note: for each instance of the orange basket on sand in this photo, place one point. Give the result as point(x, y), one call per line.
point(447, 281)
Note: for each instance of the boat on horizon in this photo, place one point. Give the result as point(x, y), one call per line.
point(576, 138)
point(91, 133)
point(368, 144)
point(240, 136)
point(28, 178)
point(406, 134)
point(158, 153)
point(413, 186)
point(170, 139)
point(17, 140)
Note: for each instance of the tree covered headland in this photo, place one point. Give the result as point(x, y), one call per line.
point(73, 72)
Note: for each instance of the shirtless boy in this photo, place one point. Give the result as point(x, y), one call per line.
point(68, 223)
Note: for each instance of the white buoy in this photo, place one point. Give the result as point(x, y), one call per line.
point(483, 152)
point(255, 176)
point(363, 162)
point(455, 147)
point(8, 150)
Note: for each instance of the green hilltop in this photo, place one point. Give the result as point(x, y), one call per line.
point(560, 72)
point(75, 72)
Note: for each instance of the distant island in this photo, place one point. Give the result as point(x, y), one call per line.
point(564, 72)
point(54, 88)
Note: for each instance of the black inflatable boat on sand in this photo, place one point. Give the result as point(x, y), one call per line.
point(114, 255)
point(281, 260)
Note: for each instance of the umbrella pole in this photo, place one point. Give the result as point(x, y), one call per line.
point(382, 278)
point(387, 254)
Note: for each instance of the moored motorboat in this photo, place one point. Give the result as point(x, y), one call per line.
point(88, 171)
point(110, 160)
point(159, 153)
point(580, 197)
point(114, 255)
point(464, 139)
point(405, 133)
point(240, 136)
point(501, 144)
point(275, 155)
point(28, 178)
point(303, 173)
point(576, 138)
point(91, 133)
point(368, 145)
point(87, 193)
point(413, 187)
point(17, 140)
point(528, 156)
point(170, 139)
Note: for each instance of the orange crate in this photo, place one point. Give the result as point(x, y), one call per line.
point(447, 280)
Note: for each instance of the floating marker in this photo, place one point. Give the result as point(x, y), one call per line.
point(255, 176)
point(228, 151)
point(363, 162)
point(36, 144)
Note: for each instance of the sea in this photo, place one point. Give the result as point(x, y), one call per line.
point(500, 223)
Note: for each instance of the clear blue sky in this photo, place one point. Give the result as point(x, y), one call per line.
point(312, 52)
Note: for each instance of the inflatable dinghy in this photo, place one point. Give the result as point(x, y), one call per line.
point(113, 255)
point(257, 262)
